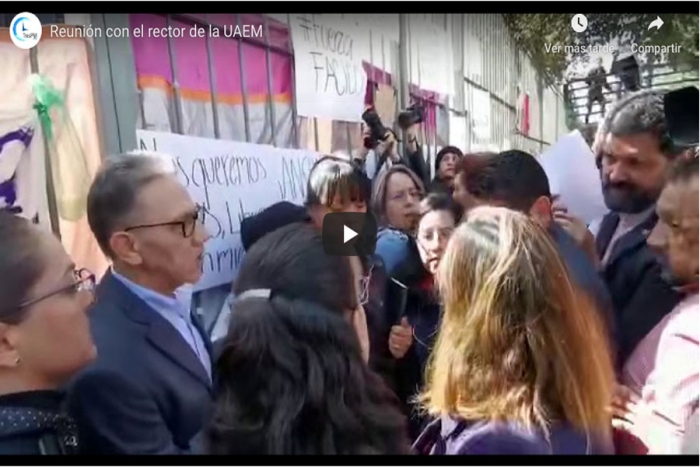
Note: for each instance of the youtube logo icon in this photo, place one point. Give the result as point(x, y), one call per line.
point(349, 234)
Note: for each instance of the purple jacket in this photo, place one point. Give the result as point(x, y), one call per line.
point(450, 436)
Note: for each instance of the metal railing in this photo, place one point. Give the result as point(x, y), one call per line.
point(650, 80)
point(264, 44)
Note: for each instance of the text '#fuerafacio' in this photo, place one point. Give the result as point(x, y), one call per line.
point(333, 63)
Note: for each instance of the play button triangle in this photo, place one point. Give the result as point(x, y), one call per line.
point(348, 234)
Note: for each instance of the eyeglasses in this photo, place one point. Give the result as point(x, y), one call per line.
point(84, 281)
point(188, 225)
point(406, 195)
point(443, 235)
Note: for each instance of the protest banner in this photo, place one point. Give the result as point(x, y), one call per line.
point(330, 80)
point(22, 167)
point(230, 181)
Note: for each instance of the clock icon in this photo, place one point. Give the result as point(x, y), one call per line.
point(579, 23)
point(25, 30)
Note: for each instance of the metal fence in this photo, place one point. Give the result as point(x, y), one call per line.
point(652, 76)
point(485, 60)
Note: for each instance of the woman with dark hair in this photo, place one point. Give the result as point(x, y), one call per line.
point(334, 185)
point(44, 338)
point(411, 339)
point(292, 373)
point(446, 164)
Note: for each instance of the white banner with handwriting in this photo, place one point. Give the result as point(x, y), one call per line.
point(330, 81)
point(231, 181)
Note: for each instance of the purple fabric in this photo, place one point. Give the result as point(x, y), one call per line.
point(448, 436)
point(8, 195)
point(23, 135)
point(8, 190)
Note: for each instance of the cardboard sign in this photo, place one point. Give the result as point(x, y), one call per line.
point(330, 80)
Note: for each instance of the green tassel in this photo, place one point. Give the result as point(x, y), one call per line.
point(68, 163)
point(47, 97)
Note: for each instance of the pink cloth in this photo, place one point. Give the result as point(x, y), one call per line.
point(664, 370)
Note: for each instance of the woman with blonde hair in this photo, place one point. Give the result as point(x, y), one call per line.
point(521, 363)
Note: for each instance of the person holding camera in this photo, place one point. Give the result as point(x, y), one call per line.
point(385, 144)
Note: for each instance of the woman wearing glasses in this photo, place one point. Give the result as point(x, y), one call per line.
point(44, 337)
point(411, 339)
point(395, 198)
point(293, 377)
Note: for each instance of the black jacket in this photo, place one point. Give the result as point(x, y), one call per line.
point(147, 393)
point(640, 294)
point(422, 311)
point(413, 160)
point(423, 314)
point(34, 423)
point(440, 186)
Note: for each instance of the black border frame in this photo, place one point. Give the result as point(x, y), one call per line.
point(357, 460)
point(378, 6)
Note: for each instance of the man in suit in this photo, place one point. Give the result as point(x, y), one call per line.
point(634, 154)
point(150, 390)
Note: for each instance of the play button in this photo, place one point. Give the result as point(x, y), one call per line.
point(348, 234)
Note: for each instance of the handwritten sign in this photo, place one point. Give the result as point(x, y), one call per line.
point(230, 181)
point(330, 80)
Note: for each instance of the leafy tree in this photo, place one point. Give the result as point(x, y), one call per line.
point(533, 31)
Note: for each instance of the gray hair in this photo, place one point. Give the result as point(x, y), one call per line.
point(115, 189)
point(640, 112)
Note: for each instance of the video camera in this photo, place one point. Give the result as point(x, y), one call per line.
point(378, 131)
point(411, 116)
point(681, 110)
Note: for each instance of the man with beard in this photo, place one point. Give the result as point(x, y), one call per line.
point(661, 378)
point(634, 154)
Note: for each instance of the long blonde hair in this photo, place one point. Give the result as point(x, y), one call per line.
point(517, 342)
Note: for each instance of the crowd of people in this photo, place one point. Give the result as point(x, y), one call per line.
point(489, 320)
